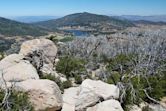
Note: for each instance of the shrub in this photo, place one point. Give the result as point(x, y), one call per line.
point(139, 85)
point(114, 78)
point(17, 101)
point(66, 39)
point(78, 79)
point(53, 38)
point(121, 60)
point(158, 86)
point(1, 55)
point(48, 76)
point(71, 66)
point(66, 84)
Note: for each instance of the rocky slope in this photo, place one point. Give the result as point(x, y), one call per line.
point(24, 70)
point(36, 59)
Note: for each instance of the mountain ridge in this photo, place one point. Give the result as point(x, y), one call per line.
point(13, 28)
point(152, 18)
point(32, 19)
point(84, 19)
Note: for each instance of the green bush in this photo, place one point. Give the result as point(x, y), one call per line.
point(56, 39)
point(66, 39)
point(154, 84)
point(66, 84)
point(121, 60)
point(1, 55)
point(114, 78)
point(158, 84)
point(17, 101)
point(156, 91)
point(53, 38)
point(78, 79)
point(48, 76)
point(71, 66)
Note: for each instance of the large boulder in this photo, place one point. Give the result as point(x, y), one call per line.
point(88, 94)
point(91, 92)
point(15, 69)
point(86, 98)
point(10, 60)
point(109, 105)
point(103, 90)
point(41, 53)
point(43, 94)
point(70, 97)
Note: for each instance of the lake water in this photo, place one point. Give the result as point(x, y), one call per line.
point(78, 33)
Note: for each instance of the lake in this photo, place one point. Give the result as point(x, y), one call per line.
point(78, 33)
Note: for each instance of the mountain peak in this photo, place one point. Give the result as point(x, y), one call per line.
point(85, 19)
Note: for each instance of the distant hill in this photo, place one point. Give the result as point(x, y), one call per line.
point(154, 18)
point(32, 19)
point(13, 28)
point(84, 19)
point(149, 22)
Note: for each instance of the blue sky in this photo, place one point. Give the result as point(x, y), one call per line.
point(64, 7)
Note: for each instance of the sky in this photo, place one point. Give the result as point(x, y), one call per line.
point(64, 7)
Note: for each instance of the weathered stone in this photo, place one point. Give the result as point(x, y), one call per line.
point(41, 53)
point(109, 105)
point(43, 94)
point(10, 60)
point(92, 92)
point(15, 69)
point(86, 98)
point(70, 97)
point(103, 90)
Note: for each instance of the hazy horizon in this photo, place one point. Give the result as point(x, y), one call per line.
point(82, 12)
point(16, 8)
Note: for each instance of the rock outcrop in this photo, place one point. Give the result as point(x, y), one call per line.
point(39, 57)
point(15, 69)
point(103, 90)
point(43, 94)
point(10, 60)
point(109, 105)
point(41, 53)
point(86, 98)
point(88, 94)
point(70, 97)
point(21, 72)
